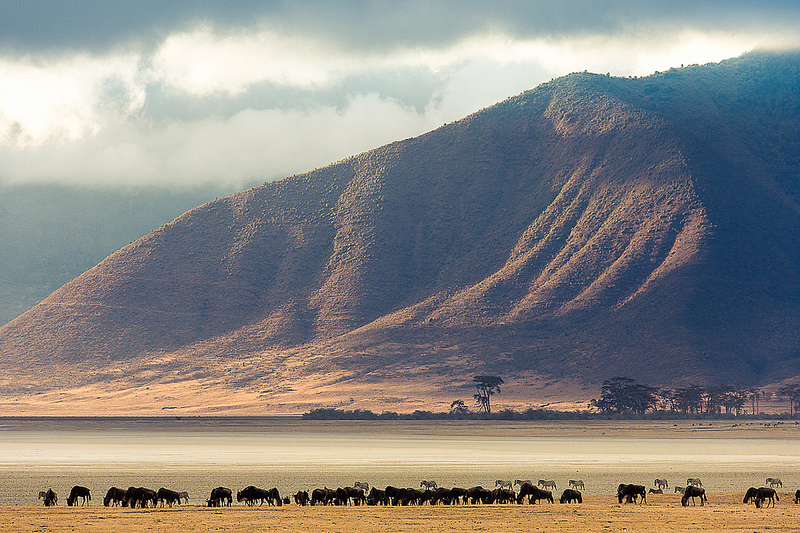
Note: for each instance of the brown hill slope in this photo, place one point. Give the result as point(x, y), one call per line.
point(590, 227)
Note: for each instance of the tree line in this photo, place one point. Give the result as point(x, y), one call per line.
point(625, 395)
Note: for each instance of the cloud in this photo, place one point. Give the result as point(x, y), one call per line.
point(235, 100)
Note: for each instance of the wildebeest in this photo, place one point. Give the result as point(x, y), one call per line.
point(168, 496)
point(114, 496)
point(694, 481)
point(376, 497)
point(479, 495)
point(547, 484)
point(302, 497)
point(655, 491)
point(692, 492)
point(220, 496)
point(631, 492)
point(250, 495)
point(774, 482)
point(533, 493)
point(79, 492)
point(428, 484)
point(458, 492)
point(570, 495)
point(759, 495)
point(797, 497)
point(501, 495)
point(661, 483)
point(139, 496)
point(576, 484)
point(49, 497)
point(322, 496)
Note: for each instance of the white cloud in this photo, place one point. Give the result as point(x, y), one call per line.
point(85, 118)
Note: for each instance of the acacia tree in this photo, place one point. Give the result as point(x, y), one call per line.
point(458, 407)
point(487, 386)
point(622, 394)
point(792, 393)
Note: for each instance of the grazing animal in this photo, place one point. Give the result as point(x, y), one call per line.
point(250, 495)
point(577, 484)
point(219, 496)
point(797, 497)
point(363, 486)
point(774, 482)
point(479, 495)
point(502, 483)
point(545, 484)
point(692, 492)
point(631, 492)
point(79, 492)
point(501, 495)
point(114, 496)
point(679, 489)
point(570, 495)
point(140, 496)
point(302, 498)
point(168, 496)
point(533, 493)
point(694, 481)
point(759, 495)
point(428, 485)
point(49, 497)
point(521, 482)
point(661, 483)
point(655, 491)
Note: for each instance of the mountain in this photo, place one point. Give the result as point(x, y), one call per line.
point(51, 233)
point(591, 227)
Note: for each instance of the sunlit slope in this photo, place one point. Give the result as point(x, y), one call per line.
point(591, 227)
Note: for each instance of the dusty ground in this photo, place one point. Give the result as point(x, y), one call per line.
point(724, 512)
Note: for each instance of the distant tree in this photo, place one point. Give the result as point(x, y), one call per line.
point(792, 393)
point(687, 399)
point(754, 394)
point(487, 386)
point(625, 395)
point(458, 407)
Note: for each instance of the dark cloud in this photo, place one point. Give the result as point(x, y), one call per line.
point(44, 25)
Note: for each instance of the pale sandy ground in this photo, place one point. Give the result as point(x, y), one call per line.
point(724, 512)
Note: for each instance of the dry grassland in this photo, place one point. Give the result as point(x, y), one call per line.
point(662, 513)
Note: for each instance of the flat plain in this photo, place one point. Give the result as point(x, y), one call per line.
point(663, 513)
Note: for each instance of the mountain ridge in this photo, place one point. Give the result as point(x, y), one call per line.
point(592, 226)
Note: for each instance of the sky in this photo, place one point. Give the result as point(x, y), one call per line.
point(233, 93)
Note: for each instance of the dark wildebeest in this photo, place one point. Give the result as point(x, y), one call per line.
point(759, 495)
point(79, 492)
point(533, 493)
point(631, 492)
point(376, 497)
point(114, 496)
point(479, 495)
point(250, 495)
point(797, 497)
point(570, 495)
point(49, 497)
point(219, 496)
point(661, 483)
point(692, 492)
point(139, 496)
point(356, 494)
point(302, 498)
point(655, 491)
point(168, 496)
point(501, 495)
point(441, 495)
point(457, 493)
point(322, 496)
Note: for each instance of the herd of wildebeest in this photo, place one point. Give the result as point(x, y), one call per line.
point(428, 493)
